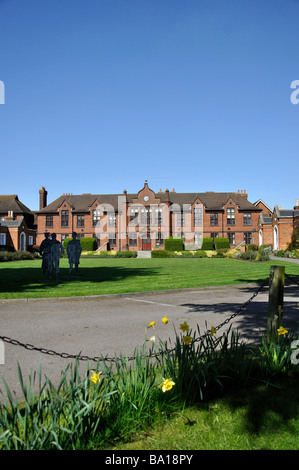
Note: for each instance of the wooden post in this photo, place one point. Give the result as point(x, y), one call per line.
point(275, 304)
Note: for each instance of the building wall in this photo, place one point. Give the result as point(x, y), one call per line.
point(169, 226)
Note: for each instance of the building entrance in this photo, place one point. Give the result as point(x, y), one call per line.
point(146, 243)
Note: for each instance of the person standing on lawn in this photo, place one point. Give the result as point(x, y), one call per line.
point(74, 251)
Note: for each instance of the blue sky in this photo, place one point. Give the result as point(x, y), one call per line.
point(188, 94)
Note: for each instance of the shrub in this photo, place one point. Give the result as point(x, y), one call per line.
point(174, 244)
point(200, 254)
point(125, 254)
point(252, 247)
point(18, 255)
point(294, 244)
point(88, 243)
point(248, 255)
point(221, 243)
point(294, 254)
point(267, 245)
point(280, 253)
point(207, 243)
point(162, 254)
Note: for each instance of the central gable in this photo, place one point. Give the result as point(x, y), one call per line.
point(146, 196)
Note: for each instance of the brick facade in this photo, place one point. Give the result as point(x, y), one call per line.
point(277, 230)
point(17, 224)
point(142, 221)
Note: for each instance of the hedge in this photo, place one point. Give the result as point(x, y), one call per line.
point(174, 244)
point(221, 243)
point(207, 244)
point(87, 243)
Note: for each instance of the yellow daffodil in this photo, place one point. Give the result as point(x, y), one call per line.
point(187, 339)
point(165, 320)
point(184, 326)
point(152, 324)
point(95, 378)
point(213, 331)
point(282, 331)
point(167, 385)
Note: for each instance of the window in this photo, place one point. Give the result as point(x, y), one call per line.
point(2, 238)
point(133, 239)
point(214, 218)
point(63, 237)
point(96, 215)
point(133, 216)
point(181, 219)
point(231, 237)
point(198, 217)
point(247, 218)
point(49, 220)
point(197, 239)
point(158, 216)
point(231, 216)
point(64, 218)
point(145, 216)
point(214, 235)
point(112, 220)
point(30, 240)
point(112, 239)
point(80, 220)
point(247, 238)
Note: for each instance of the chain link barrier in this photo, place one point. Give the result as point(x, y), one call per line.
point(51, 352)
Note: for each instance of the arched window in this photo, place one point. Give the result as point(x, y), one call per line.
point(23, 241)
point(260, 237)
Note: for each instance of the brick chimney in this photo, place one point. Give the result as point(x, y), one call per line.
point(42, 198)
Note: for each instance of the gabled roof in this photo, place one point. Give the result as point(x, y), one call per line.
point(211, 200)
point(12, 223)
point(288, 213)
point(11, 203)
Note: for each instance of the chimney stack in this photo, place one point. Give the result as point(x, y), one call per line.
point(42, 198)
point(296, 207)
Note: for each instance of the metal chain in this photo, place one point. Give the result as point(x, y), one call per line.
point(30, 347)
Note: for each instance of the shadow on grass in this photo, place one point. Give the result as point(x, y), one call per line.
point(28, 278)
point(269, 408)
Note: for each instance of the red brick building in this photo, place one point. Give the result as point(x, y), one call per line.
point(17, 224)
point(142, 221)
point(277, 229)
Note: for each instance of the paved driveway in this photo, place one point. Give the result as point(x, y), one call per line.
point(112, 325)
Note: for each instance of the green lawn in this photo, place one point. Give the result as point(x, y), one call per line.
point(24, 279)
point(260, 418)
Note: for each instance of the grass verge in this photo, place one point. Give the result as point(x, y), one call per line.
point(24, 279)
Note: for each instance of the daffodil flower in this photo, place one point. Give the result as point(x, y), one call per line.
point(152, 339)
point(165, 320)
point(95, 378)
point(282, 331)
point(152, 324)
point(187, 339)
point(184, 326)
point(167, 385)
point(213, 331)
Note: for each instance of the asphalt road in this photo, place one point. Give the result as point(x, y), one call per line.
point(110, 325)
